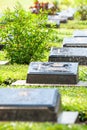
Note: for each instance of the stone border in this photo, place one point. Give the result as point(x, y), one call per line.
point(23, 83)
point(4, 62)
point(68, 117)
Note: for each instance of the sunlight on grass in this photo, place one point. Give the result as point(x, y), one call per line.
point(11, 4)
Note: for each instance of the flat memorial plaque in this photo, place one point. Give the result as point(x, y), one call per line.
point(68, 54)
point(66, 13)
point(80, 33)
point(29, 104)
point(52, 73)
point(75, 42)
point(58, 18)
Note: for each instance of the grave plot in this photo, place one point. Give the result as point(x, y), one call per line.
point(52, 73)
point(68, 54)
point(29, 104)
point(53, 23)
point(75, 42)
point(58, 18)
point(66, 13)
point(80, 33)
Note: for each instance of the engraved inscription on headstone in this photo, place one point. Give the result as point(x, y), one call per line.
point(69, 54)
point(52, 73)
point(75, 42)
point(29, 104)
point(80, 33)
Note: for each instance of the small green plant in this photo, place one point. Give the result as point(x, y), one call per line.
point(25, 35)
point(81, 6)
point(82, 11)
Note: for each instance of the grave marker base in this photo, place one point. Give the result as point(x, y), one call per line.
point(23, 83)
point(52, 73)
point(25, 104)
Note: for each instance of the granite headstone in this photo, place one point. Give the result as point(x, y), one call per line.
point(68, 54)
point(52, 73)
point(58, 18)
point(75, 42)
point(26, 104)
point(80, 33)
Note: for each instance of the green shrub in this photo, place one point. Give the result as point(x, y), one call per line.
point(82, 11)
point(25, 35)
point(81, 6)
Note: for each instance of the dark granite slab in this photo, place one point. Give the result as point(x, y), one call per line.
point(66, 13)
point(52, 73)
point(58, 18)
point(75, 42)
point(29, 104)
point(80, 33)
point(68, 54)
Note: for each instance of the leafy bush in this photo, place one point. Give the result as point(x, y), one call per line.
point(82, 11)
point(25, 35)
point(81, 6)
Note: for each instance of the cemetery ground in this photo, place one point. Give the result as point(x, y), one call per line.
point(73, 98)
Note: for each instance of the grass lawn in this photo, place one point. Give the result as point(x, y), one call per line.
point(73, 98)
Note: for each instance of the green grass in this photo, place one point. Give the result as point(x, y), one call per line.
point(3, 55)
point(73, 98)
point(14, 72)
point(40, 126)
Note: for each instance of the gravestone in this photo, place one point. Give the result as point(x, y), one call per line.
point(75, 42)
point(80, 33)
point(52, 73)
point(68, 54)
point(58, 18)
point(53, 23)
point(29, 104)
point(66, 13)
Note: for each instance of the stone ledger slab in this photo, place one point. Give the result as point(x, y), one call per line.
point(80, 33)
point(75, 42)
point(23, 83)
point(29, 104)
point(66, 13)
point(58, 18)
point(68, 54)
point(52, 73)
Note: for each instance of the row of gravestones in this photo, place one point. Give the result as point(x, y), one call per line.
point(62, 67)
point(45, 104)
point(61, 17)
